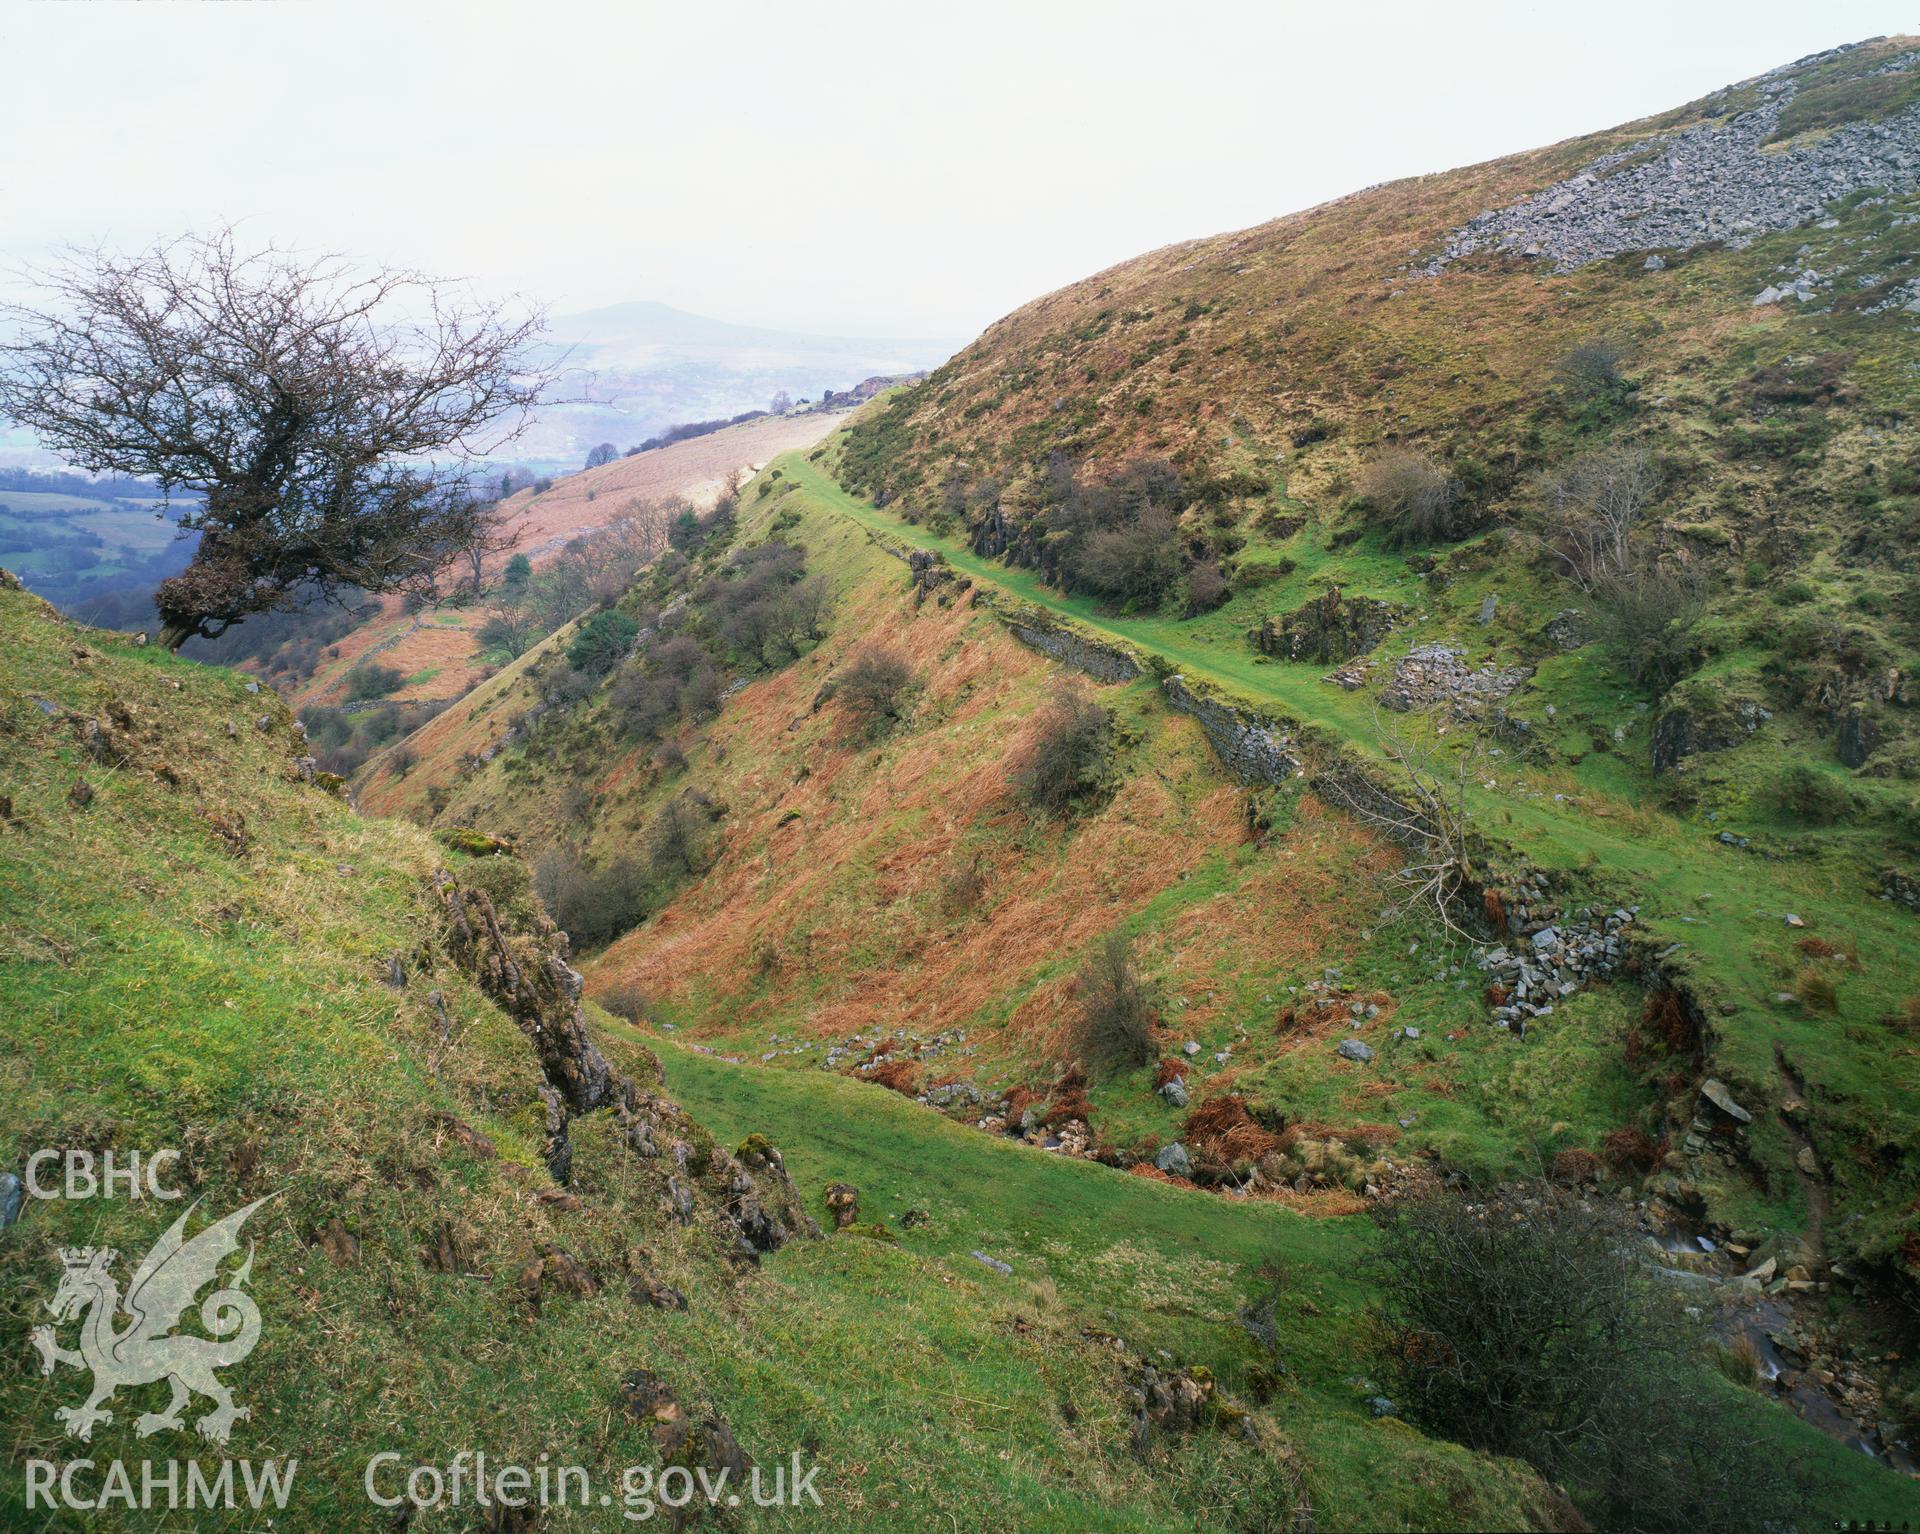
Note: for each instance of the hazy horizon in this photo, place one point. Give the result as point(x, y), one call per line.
point(891, 176)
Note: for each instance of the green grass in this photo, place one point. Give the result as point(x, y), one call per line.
point(1148, 1261)
point(166, 990)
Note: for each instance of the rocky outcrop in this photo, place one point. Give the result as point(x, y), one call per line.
point(1698, 725)
point(531, 980)
point(1328, 630)
point(1715, 181)
point(527, 974)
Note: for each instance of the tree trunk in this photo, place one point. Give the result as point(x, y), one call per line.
point(175, 634)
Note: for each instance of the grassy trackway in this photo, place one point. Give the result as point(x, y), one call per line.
point(1728, 907)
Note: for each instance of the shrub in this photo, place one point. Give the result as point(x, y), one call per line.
point(1802, 793)
point(518, 572)
point(1116, 1012)
point(592, 905)
point(1413, 498)
point(1591, 372)
point(875, 686)
point(676, 842)
point(1645, 619)
point(602, 643)
point(1523, 1324)
point(674, 680)
point(1206, 587)
point(511, 631)
point(1137, 562)
point(1594, 505)
point(1067, 758)
point(625, 1000)
point(669, 758)
point(370, 679)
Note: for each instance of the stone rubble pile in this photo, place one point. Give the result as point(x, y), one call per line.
point(1717, 180)
point(1552, 957)
point(1430, 674)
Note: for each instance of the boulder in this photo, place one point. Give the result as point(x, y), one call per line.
point(1716, 1093)
point(1005, 1270)
point(1353, 1049)
point(1174, 1161)
point(12, 1198)
point(843, 1204)
point(1174, 1093)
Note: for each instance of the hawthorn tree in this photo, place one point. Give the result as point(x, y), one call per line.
point(327, 418)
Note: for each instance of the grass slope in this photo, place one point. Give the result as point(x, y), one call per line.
point(195, 958)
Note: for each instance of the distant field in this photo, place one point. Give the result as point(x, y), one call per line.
point(69, 547)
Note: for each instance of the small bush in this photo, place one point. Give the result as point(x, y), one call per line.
point(875, 686)
point(1116, 1012)
point(1815, 798)
point(1591, 373)
point(1521, 1323)
point(1646, 618)
point(1207, 587)
point(1067, 759)
point(602, 643)
point(669, 758)
point(1413, 498)
point(626, 1001)
point(676, 842)
point(370, 679)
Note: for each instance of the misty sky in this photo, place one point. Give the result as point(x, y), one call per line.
point(903, 169)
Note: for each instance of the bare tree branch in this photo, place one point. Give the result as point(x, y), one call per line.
point(1423, 810)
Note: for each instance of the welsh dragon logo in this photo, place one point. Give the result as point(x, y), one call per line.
point(143, 1349)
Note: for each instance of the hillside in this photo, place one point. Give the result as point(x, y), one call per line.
point(1287, 897)
point(1722, 726)
point(436, 649)
point(489, 1225)
point(1711, 852)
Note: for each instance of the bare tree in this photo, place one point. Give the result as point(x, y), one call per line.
point(1424, 810)
point(1594, 504)
point(326, 417)
point(1415, 498)
point(604, 452)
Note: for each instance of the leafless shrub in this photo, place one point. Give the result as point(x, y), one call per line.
point(1067, 758)
point(1592, 370)
point(1593, 507)
point(1423, 808)
point(1116, 1011)
point(1415, 499)
point(875, 687)
point(1646, 617)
